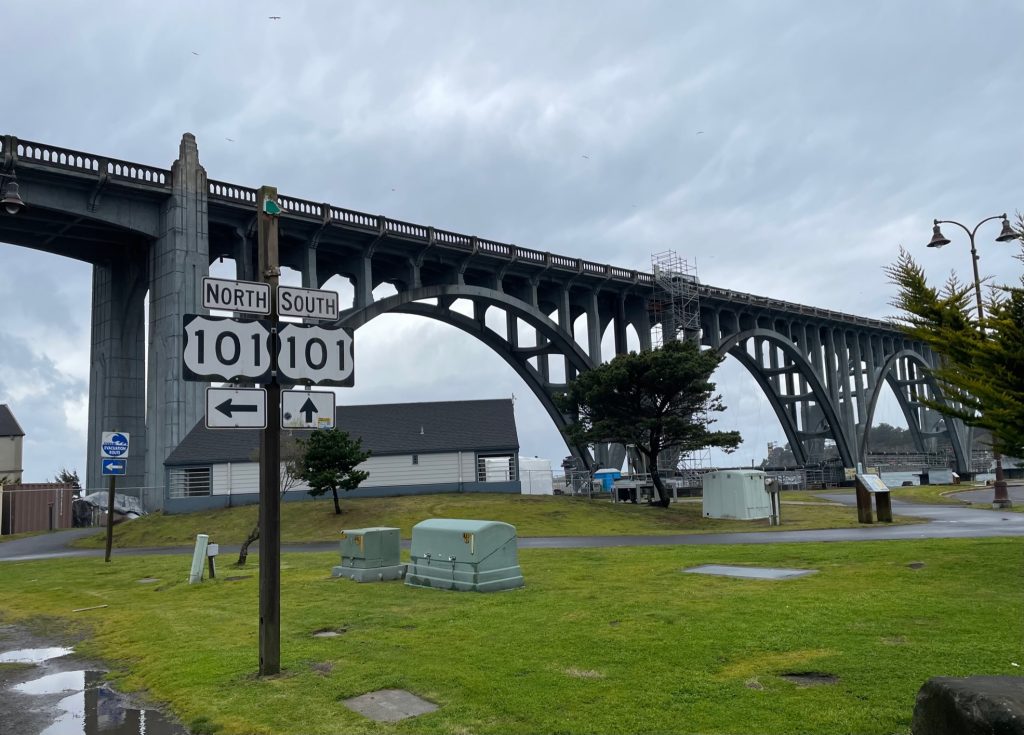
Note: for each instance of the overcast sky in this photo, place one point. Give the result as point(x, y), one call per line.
point(786, 148)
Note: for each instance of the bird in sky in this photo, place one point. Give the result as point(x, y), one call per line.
point(274, 17)
point(587, 157)
point(700, 132)
point(194, 53)
point(230, 140)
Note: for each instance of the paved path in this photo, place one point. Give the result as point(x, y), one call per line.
point(945, 521)
point(984, 495)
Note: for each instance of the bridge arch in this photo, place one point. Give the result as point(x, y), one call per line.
point(556, 341)
point(785, 404)
point(903, 388)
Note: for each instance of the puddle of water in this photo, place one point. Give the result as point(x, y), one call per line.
point(93, 708)
point(65, 681)
point(32, 655)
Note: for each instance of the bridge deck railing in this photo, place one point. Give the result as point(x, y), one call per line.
point(42, 154)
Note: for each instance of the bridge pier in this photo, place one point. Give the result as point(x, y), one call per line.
point(179, 259)
point(117, 375)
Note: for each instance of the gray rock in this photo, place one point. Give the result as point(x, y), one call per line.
point(976, 705)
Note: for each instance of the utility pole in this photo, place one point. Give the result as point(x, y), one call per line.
point(270, 450)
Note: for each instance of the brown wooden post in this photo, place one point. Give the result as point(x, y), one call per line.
point(863, 503)
point(270, 451)
point(883, 504)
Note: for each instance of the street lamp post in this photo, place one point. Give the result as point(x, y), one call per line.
point(1001, 498)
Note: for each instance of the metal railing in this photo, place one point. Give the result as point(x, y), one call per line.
point(77, 161)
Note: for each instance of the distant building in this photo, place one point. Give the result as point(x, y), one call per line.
point(11, 439)
point(417, 448)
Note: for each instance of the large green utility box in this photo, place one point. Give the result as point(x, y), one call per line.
point(469, 556)
point(370, 555)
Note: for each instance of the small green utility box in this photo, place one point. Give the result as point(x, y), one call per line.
point(369, 555)
point(469, 556)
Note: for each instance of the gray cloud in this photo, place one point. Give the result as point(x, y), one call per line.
point(828, 136)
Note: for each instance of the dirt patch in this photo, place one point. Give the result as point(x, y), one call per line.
point(916, 565)
point(754, 684)
point(810, 678)
point(322, 667)
point(896, 640)
point(582, 673)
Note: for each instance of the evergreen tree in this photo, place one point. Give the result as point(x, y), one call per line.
point(328, 461)
point(981, 373)
point(654, 400)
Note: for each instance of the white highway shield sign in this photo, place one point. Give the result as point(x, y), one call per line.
point(307, 409)
point(114, 445)
point(236, 408)
point(313, 355)
point(219, 348)
point(245, 296)
point(307, 302)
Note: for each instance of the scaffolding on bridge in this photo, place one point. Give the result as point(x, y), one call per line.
point(675, 314)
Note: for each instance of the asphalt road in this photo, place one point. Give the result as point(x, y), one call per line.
point(945, 521)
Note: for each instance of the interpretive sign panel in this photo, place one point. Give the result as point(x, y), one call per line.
point(872, 483)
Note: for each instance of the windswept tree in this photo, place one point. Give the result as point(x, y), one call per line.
point(655, 400)
point(328, 461)
point(981, 373)
point(68, 477)
point(290, 451)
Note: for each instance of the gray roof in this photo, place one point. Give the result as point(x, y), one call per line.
point(8, 424)
point(388, 428)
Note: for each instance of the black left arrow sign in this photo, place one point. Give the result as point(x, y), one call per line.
point(227, 408)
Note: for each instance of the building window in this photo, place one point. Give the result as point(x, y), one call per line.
point(190, 482)
point(415, 459)
point(495, 467)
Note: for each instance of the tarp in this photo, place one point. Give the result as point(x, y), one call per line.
point(123, 504)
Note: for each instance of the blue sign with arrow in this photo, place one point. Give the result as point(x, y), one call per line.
point(114, 466)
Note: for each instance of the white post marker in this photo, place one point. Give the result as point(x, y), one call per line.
point(306, 409)
point(248, 297)
point(308, 303)
point(236, 408)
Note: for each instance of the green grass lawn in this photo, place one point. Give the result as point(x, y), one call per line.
point(312, 521)
point(600, 640)
point(942, 495)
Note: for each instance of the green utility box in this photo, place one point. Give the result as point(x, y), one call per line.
point(455, 554)
point(369, 555)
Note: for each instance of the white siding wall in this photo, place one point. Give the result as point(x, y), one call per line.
point(244, 477)
point(399, 470)
point(220, 479)
point(469, 466)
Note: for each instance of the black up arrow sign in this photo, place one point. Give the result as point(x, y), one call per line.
point(308, 408)
point(227, 408)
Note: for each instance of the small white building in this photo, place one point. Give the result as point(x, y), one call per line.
point(11, 440)
point(736, 494)
point(416, 448)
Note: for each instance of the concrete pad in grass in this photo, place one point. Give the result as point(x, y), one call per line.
point(389, 705)
point(749, 572)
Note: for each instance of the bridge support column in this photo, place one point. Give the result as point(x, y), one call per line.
point(310, 277)
point(363, 283)
point(179, 259)
point(117, 376)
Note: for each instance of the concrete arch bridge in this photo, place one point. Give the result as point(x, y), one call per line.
point(151, 233)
